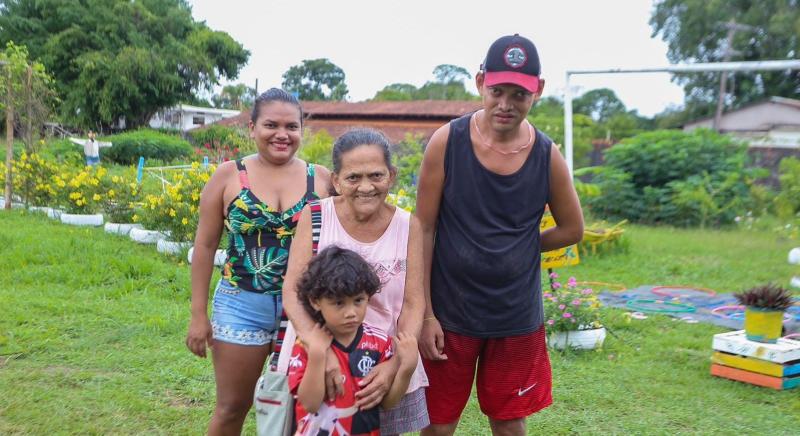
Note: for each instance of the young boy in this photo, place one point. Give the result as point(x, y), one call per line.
point(334, 290)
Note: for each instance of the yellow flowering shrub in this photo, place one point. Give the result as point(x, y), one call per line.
point(120, 194)
point(32, 177)
point(176, 209)
point(81, 190)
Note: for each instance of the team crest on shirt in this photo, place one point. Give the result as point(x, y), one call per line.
point(515, 56)
point(362, 362)
point(295, 362)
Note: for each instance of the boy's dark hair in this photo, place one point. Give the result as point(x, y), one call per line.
point(335, 273)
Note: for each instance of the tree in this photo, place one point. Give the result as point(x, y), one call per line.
point(600, 104)
point(446, 73)
point(316, 79)
point(696, 31)
point(237, 96)
point(448, 85)
point(32, 96)
point(396, 92)
point(119, 59)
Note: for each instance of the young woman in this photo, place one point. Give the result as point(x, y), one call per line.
point(258, 199)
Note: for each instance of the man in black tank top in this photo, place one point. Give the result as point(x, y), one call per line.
point(485, 181)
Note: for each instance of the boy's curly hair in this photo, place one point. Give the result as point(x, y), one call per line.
point(335, 273)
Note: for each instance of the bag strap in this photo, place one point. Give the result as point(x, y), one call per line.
point(316, 227)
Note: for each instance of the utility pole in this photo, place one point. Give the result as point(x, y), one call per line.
point(732, 27)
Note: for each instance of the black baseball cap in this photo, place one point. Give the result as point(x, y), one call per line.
point(512, 59)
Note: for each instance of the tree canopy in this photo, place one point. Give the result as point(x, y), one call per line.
point(237, 96)
point(696, 31)
point(31, 92)
point(448, 85)
point(115, 59)
point(316, 79)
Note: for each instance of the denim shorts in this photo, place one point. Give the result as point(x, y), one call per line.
point(243, 317)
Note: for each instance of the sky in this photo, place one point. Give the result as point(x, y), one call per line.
point(380, 42)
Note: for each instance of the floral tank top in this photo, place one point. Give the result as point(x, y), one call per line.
point(259, 237)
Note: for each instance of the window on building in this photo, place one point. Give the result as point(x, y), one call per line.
point(198, 121)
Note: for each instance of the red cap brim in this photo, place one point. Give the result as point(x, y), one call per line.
point(530, 83)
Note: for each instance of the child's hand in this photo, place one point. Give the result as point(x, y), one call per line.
point(318, 339)
point(406, 349)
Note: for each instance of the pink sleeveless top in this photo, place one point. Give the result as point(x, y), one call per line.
point(388, 256)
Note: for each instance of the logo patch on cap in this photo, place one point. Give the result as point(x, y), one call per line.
point(515, 56)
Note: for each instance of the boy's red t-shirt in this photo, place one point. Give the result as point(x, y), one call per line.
point(370, 347)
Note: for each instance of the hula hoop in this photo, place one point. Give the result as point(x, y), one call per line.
point(676, 307)
point(619, 287)
point(740, 312)
point(658, 290)
point(792, 336)
point(737, 310)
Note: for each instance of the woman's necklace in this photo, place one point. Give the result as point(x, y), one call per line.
point(497, 150)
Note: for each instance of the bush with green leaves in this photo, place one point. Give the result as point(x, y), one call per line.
point(317, 148)
point(222, 143)
point(787, 202)
point(677, 178)
point(129, 146)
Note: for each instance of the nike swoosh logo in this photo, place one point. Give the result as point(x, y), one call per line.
point(524, 391)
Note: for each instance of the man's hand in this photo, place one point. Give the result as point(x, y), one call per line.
point(432, 340)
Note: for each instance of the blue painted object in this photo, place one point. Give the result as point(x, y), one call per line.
point(140, 170)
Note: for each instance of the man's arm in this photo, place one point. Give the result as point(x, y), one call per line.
point(564, 205)
point(413, 310)
point(429, 197)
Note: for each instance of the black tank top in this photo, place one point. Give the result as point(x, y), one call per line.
point(485, 277)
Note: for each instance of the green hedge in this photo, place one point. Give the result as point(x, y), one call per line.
point(677, 178)
point(151, 144)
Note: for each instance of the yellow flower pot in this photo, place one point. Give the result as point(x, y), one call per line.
point(763, 325)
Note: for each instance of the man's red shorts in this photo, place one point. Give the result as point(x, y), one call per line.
point(514, 378)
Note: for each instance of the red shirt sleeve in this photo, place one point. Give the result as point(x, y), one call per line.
point(297, 366)
point(387, 352)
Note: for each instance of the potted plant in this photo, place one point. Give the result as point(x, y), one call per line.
point(572, 316)
point(764, 307)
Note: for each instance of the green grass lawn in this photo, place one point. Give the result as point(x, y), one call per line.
point(92, 329)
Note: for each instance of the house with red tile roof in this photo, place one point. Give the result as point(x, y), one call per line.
point(394, 118)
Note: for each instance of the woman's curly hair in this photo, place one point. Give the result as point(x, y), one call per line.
point(335, 273)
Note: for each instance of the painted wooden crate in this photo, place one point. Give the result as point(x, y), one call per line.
point(753, 364)
point(754, 378)
point(785, 350)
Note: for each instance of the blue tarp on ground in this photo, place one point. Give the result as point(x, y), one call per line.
point(690, 305)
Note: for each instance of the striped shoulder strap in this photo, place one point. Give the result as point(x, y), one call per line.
point(316, 226)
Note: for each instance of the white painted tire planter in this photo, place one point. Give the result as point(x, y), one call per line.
point(220, 256)
point(144, 236)
point(14, 204)
point(82, 219)
point(171, 247)
point(121, 228)
point(55, 214)
point(578, 339)
point(794, 256)
point(43, 209)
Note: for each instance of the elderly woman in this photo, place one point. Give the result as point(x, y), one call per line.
point(358, 218)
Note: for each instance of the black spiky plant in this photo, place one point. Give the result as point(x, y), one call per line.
point(767, 296)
